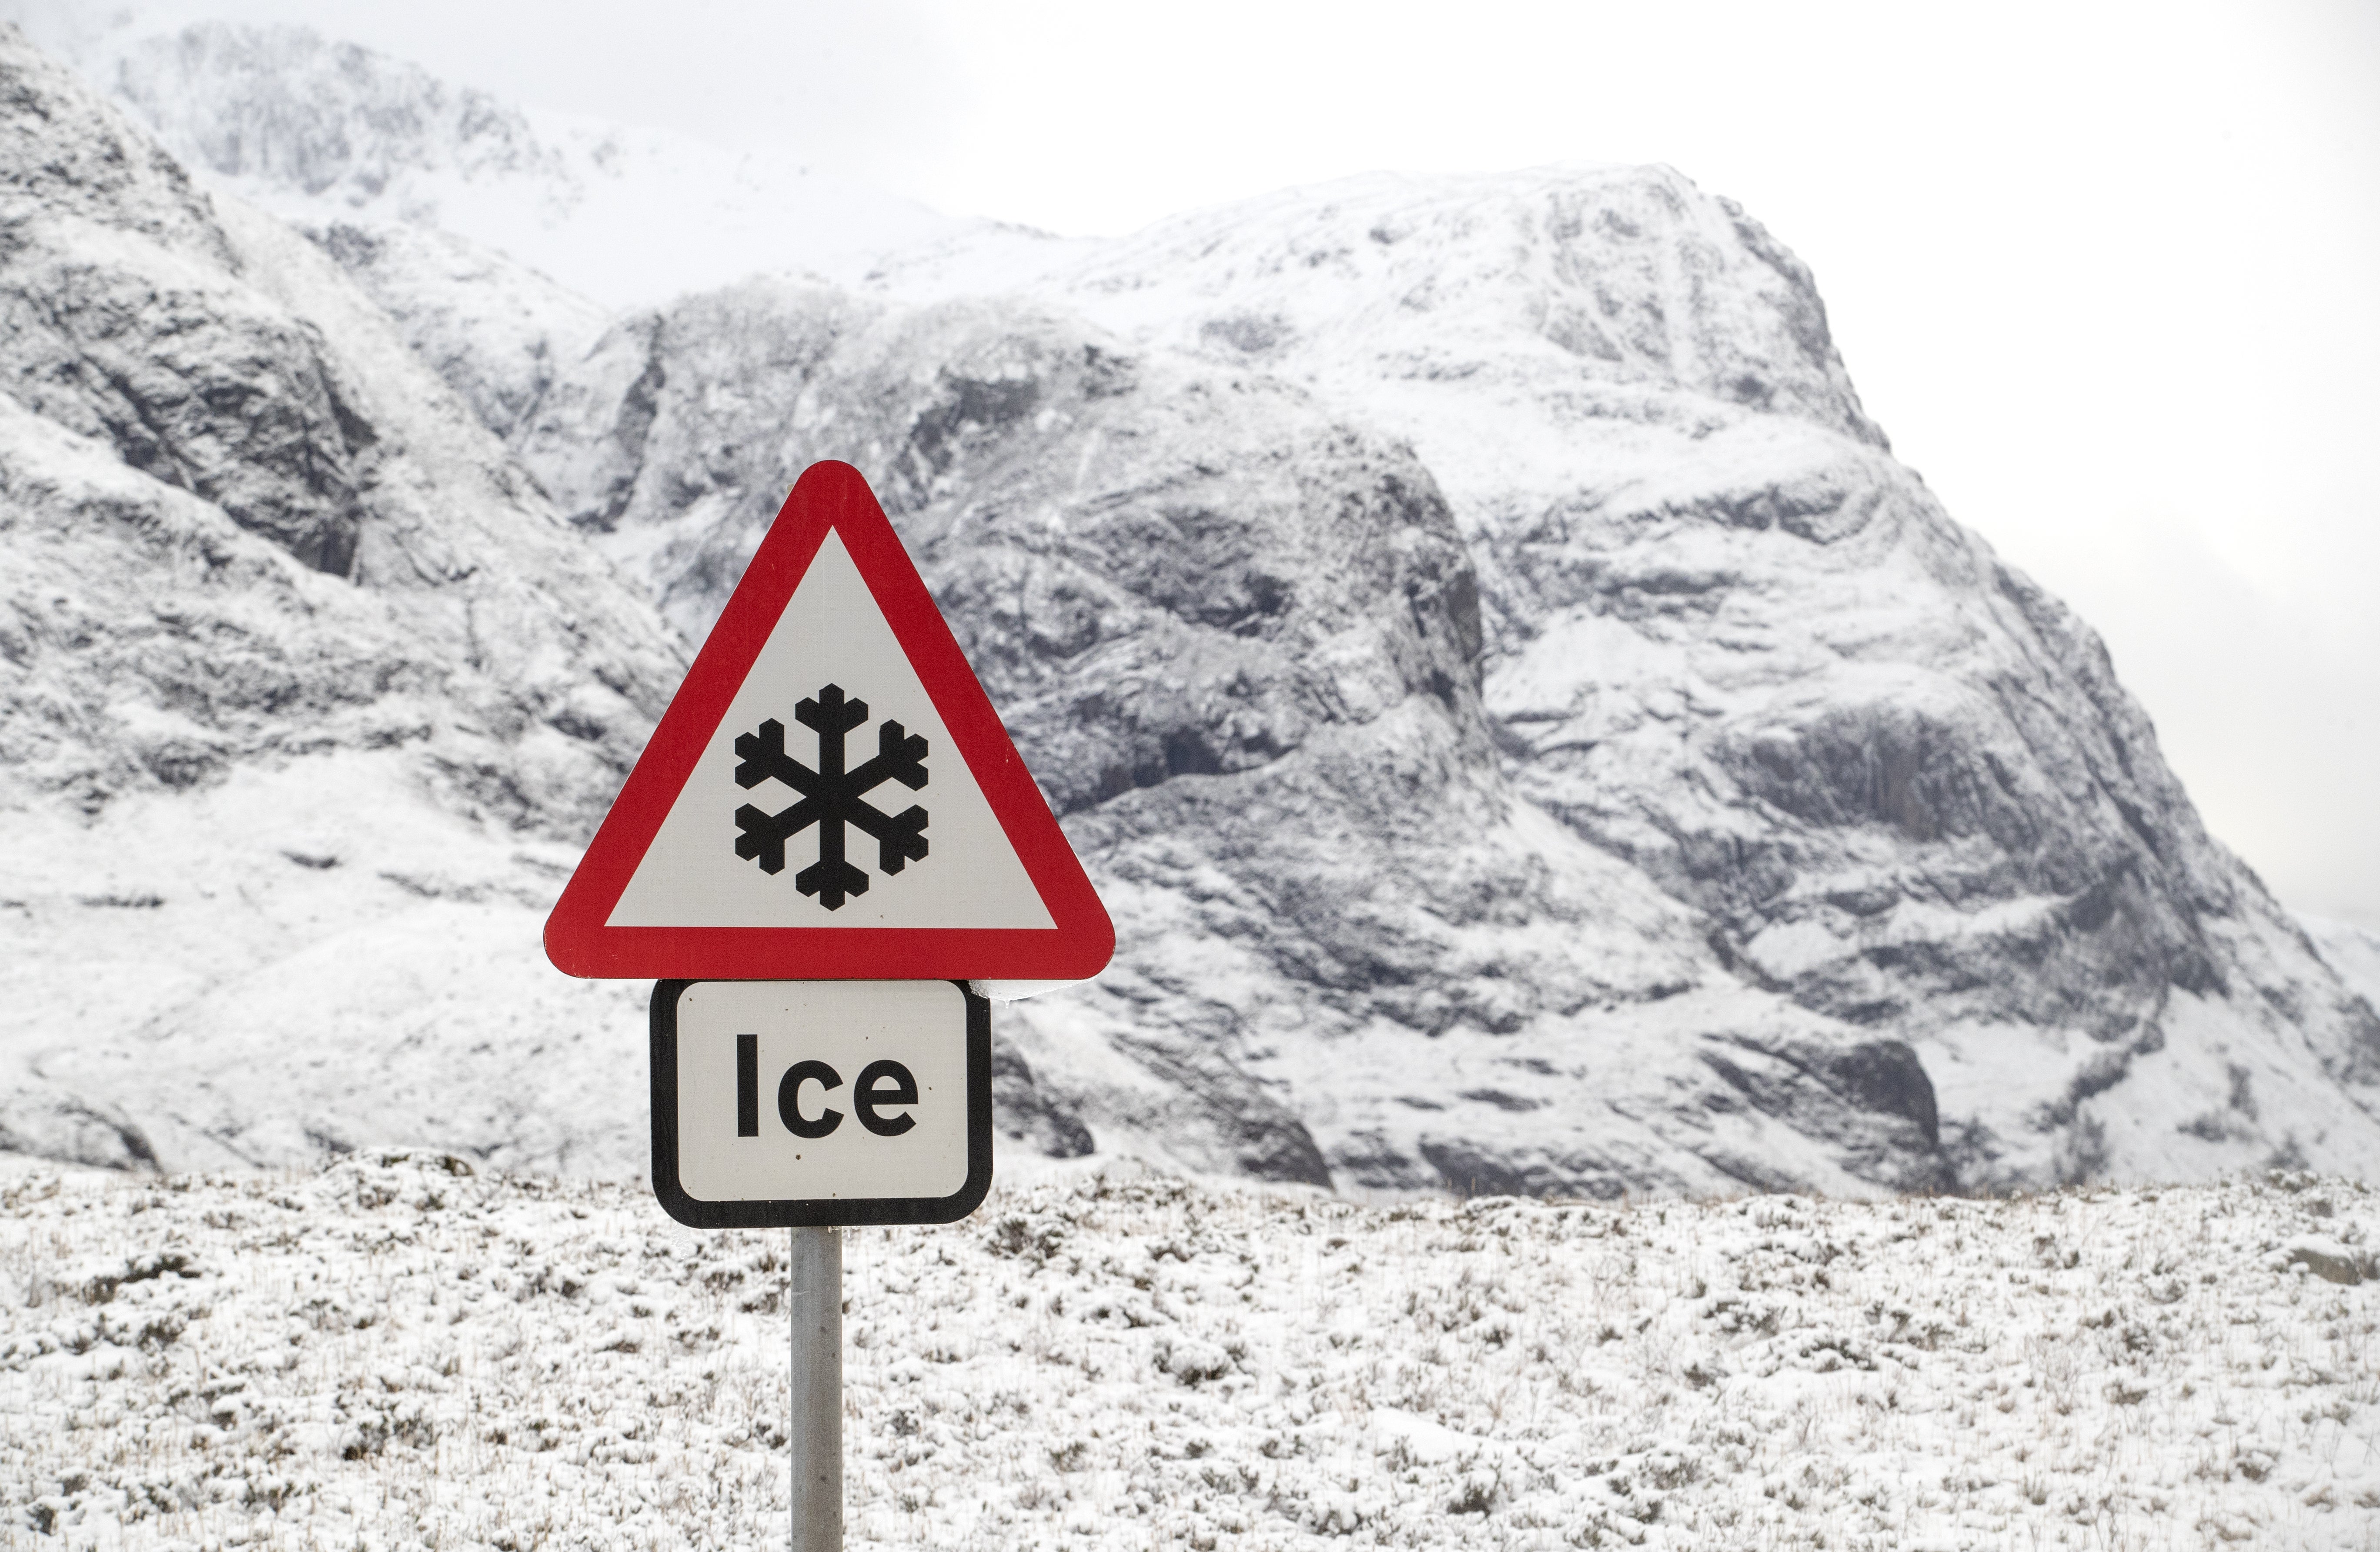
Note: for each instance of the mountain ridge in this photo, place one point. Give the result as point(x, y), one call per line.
point(319, 130)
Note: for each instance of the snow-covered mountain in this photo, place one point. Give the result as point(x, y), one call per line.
point(1532, 735)
point(1733, 642)
point(302, 674)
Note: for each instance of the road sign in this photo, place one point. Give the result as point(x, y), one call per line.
point(830, 795)
point(811, 1103)
point(829, 832)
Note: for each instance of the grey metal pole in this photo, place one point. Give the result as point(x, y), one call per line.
point(818, 1390)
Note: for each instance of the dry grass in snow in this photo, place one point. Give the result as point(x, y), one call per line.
point(395, 1353)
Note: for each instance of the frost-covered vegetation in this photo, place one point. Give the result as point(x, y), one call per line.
point(397, 1351)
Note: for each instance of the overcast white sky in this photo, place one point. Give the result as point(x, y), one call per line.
point(2109, 275)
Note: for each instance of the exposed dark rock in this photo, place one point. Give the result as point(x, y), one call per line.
point(1023, 1111)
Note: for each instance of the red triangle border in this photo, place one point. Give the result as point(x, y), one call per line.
point(829, 496)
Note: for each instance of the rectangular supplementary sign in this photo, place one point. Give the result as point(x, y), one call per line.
point(814, 1103)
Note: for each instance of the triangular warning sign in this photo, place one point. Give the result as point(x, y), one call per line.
point(831, 797)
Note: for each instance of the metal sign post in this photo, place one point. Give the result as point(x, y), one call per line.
point(816, 1441)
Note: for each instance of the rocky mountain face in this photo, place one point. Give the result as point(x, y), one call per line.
point(273, 598)
point(1732, 642)
point(1531, 733)
point(1239, 639)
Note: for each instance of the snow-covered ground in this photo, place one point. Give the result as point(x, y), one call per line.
point(396, 1351)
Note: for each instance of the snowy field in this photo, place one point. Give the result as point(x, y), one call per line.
point(396, 1351)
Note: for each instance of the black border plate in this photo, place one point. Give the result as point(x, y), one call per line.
point(835, 1214)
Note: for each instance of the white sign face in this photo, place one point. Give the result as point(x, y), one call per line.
point(820, 1101)
point(743, 847)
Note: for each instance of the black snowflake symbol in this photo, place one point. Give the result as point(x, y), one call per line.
point(831, 797)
